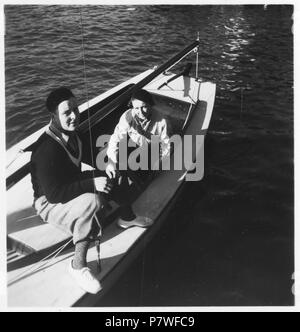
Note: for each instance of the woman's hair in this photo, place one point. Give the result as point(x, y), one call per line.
point(56, 97)
point(144, 96)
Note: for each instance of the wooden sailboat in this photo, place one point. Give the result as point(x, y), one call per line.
point(38, 254)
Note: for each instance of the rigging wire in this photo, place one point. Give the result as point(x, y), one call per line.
point(97, 242)
point(34, 268)
point(40, 264)
point(18, 154)
point(87, 94)
point(180, 60)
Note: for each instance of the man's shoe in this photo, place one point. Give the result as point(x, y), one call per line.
point(85, 279)
point(139, 221)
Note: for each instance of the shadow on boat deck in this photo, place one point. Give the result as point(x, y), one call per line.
point(22, 220)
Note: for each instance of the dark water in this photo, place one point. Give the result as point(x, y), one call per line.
point(229, 240)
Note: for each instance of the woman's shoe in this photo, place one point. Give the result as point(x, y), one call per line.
point(139, 221)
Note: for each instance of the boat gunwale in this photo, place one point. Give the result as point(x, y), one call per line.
point(132, 253)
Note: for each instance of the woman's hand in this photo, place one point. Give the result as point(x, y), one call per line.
point(111, 171)
point(103, 185)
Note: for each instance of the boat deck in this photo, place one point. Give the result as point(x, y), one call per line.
point(37, 285)
point(114, 246)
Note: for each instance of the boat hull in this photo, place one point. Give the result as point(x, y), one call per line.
point(49, 285)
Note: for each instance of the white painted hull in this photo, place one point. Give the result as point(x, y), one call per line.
point(51, 286)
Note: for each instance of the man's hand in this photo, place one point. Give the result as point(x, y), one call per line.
point(111, 171)
point(103, 185)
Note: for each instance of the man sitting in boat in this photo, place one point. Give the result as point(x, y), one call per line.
point(139, 124)
point(65, 196)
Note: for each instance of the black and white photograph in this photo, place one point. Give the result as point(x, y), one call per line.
point(149, 156)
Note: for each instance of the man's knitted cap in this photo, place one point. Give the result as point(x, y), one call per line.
point(56, 97)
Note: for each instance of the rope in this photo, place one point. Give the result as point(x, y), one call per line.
point(197, 64)
point(29, 217)
point(15, 158)
point(197, 59)
point(86, 93)
point(98, 248)
point(97, 242)
point(191, 105)
point(242, 103)
point(143, 275)
point(35, 268)
point(179, 60)
point(196, 80)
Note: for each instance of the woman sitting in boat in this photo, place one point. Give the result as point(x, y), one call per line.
point(139, 125)
point(65, 196)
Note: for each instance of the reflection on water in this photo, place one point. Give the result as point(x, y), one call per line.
point(241, 46)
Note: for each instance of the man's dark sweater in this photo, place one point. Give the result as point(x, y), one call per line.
point(54, 175)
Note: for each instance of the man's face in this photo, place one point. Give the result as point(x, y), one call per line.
point(141, 109)
point(67, 115)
